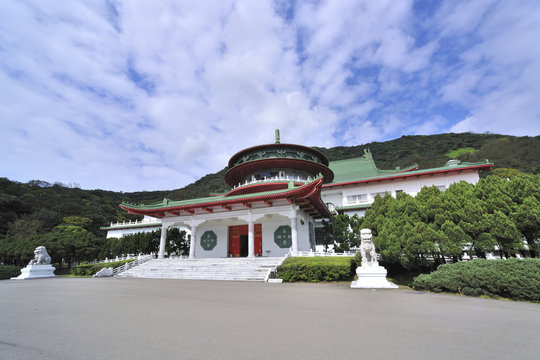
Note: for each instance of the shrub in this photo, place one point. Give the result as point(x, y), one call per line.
point(91, 269)
point(512, 278)
point(9, 271)
point(315, 269)
point(357, 260)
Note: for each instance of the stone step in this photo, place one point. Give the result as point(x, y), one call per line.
point(205, 269)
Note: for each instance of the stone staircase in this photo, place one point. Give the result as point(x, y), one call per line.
point(239, 269)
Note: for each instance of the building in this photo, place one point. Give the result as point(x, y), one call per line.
point(357, 181)
point(120, 229)
point(274, 201)
point(279, 193)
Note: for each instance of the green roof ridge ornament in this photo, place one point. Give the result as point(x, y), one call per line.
point(367, 154)
point(277, 136)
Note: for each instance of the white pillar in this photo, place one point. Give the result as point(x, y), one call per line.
point(251, 239)
point(294, 233)
point(162, 241)
point(193, 242)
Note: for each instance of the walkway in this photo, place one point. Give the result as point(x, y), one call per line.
point(122, 318)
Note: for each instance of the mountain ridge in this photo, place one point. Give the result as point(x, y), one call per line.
point(37, 206)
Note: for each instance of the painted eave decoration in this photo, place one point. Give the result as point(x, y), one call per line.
point(307, 197)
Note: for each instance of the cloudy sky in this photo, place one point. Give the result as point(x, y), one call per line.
point(147, 95)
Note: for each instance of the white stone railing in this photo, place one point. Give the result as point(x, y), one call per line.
point(358, 202)
point(123, 257)
point(136, 222)
point(272, 178)
point(319, 253)
point(274, 269)
point(131, 264)
point(174, 256)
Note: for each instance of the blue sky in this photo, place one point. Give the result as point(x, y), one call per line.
point(152, 95)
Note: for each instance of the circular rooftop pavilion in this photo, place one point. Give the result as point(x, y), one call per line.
point(265, 166)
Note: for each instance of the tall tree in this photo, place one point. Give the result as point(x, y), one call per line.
point(526, 216)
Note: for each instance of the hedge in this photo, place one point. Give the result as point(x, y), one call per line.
point(9, 271)
point(513, 278)
point(315, 269)
point(91, 269)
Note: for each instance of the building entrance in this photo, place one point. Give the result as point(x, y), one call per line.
point(238, 240)
point(243, 245)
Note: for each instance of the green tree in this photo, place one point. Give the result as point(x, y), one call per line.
point(505, 232)
point(526, 216)
point(452, 240)
point(506, 173)
point(71, 244)
point(79, 221)
point(344, 231)
point(494, 192)
point(419, 241)
point(177, 242)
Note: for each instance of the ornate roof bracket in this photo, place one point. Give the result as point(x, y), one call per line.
point(302, 196)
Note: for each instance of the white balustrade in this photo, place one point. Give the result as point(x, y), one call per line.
point(136, 222)
point(319, 253)
point(270, 179)
point(131, 264)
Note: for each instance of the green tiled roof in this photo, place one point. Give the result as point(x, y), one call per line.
point(363, 168)
point(462, 165)
point(353, 207)
point(166, 203)
point(359, 168)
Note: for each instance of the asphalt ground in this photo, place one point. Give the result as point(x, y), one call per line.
point(122, 318)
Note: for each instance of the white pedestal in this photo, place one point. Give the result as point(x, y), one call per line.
point(372, 277)
point(36, 272)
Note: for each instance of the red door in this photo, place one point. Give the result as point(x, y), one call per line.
point(242, 230)
point(258, 239)
point(234, 241)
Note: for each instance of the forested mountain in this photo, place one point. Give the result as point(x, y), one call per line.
point(520, 153)
point(37, 207)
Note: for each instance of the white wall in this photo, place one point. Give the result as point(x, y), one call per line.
point(222, 233)
point(331, 195)
point(411, 185)
point(122, 232)
point(268, 229)
point(303, 231)
point(269, 247)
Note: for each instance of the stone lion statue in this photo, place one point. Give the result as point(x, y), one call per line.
point(367, 249)
point(41, 257)
point(105, 272)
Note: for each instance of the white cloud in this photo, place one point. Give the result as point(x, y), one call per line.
point(137, 95)
point(434, 125)
point(497, 79)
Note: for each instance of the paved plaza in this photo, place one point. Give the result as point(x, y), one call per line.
point(113, 318)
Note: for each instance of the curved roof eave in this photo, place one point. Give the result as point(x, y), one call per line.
point(307, 148)
point(309, 191)
point(407, 174)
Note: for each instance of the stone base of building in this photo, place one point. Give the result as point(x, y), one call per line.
point(372, 277)
point(36, 272)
